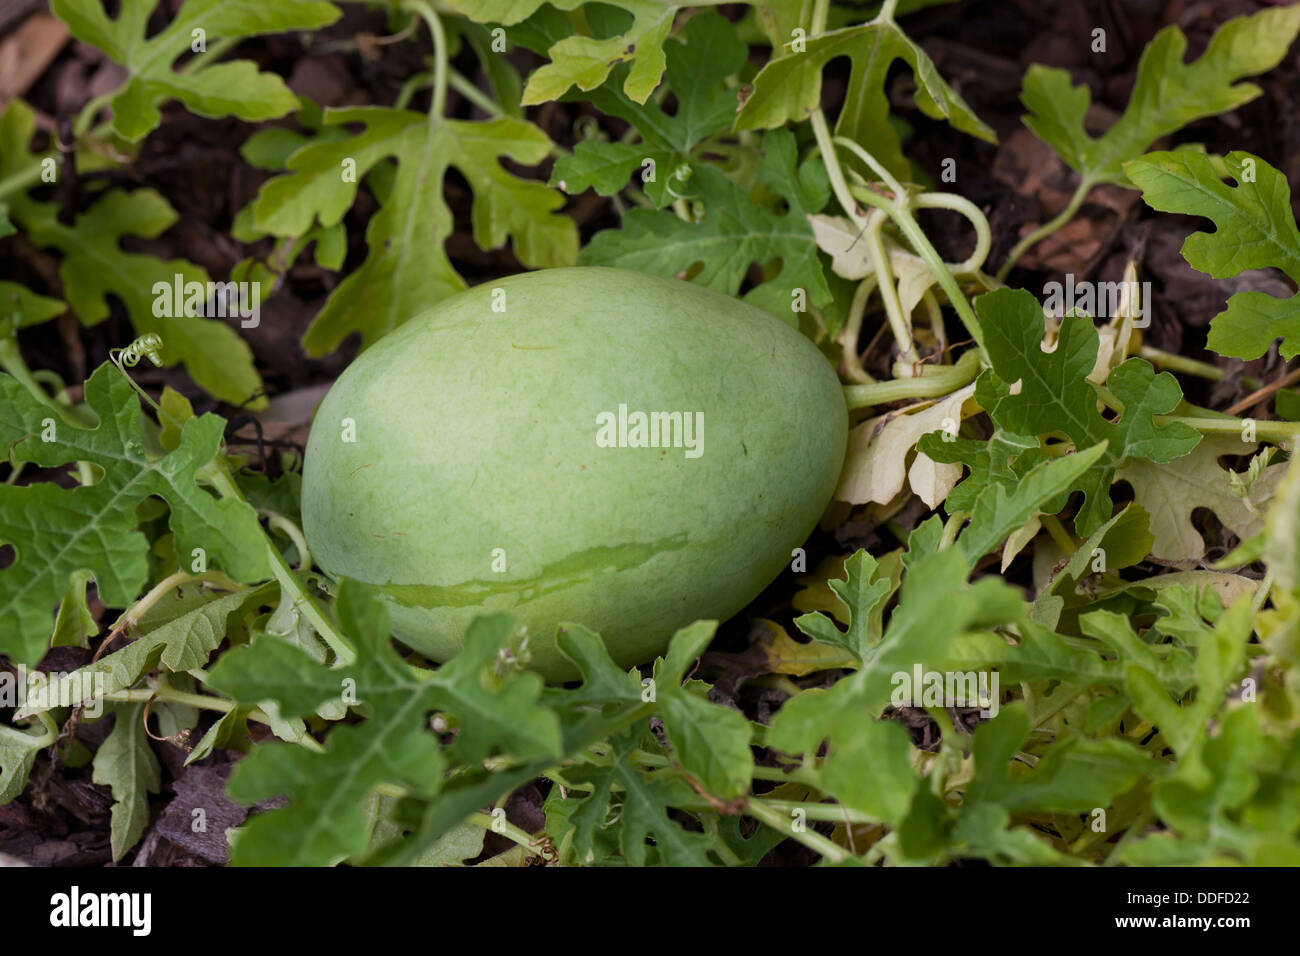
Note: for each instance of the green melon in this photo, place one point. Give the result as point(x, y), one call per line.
point(488, 455)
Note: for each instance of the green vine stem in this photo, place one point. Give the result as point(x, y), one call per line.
point(1262, 592)
point(826, 146)
point(817, 812)
point(718, 845)
point(174, 696)
point(1215, 423)
point(899, 321)
point(303, 600)
point(897, 208)
point(939, 381)
point(771, 812)
point(901, 196)
point(530, 843)
point(864, 222)
point(853, 369)
point(472, 93)
point(24, 179)
point(973, 264)
point(1057, 531)
point(936, 382)
point(443, 75)
point(115, 355)
point(964, 207)
point(11, 360)
point(26, 740)
point(81, 125)
point(215, 51)
point(1268, 430)
point(817, 23)
point(645, 760)
point(438, 105)
point(51, 735)
point(1190, 366)
point(956, 521)
point(291, 531)
point(923, 248)
point(136, 611)
point(1047, 228)
point(168, 694)
point(820, 812)
point(935, 316)
point(767, 814)
point(408, 90)
point(57, 386)
point(218, 48)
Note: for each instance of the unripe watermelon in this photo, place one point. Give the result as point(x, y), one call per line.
point(488, 455)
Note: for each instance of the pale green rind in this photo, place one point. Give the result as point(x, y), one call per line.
point(476, 430)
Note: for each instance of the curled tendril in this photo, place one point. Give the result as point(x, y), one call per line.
point(683, 175)
point(146, 345)
point(613, 813)
point(149, 345)
point(588, 127)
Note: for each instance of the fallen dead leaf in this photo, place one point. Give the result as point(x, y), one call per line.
point(26, 52)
